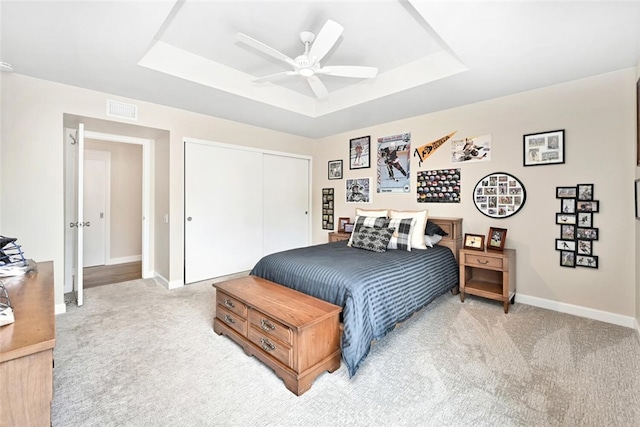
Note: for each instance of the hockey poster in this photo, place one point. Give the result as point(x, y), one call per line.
point(476, 149)
point(393, 163)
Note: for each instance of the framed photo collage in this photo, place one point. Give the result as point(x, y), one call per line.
point(577, 231)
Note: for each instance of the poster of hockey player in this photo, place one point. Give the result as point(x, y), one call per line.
point(393, 163)
point(358, 190)
point(476, 149)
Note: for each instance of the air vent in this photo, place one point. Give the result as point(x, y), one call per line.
point(120, 109)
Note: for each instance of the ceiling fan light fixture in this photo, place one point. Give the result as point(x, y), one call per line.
point(306, 72)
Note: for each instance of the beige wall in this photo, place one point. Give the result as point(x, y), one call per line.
point(31, 152)
point(125, 235)
point(597, 115)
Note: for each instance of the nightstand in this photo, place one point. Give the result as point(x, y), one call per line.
point(336, 236)
point(489, 274)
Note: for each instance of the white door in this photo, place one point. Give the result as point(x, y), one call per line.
point(78, 223)
point(96, 173)
point(223, 210)
point(286, 203)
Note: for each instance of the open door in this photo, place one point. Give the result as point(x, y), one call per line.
point(77, 224)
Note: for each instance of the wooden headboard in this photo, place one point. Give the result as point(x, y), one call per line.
point(453, 226)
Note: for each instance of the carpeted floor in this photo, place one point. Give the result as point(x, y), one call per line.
point(137, 354)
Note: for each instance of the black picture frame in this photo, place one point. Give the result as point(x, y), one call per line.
point(544, 148)
point(584, 247)
point(587, 233)
point(568, 232)
point(334, 169)
point(566, 192)
point(568, 205)
point(584, 192)
point(567, 259)
point(587, 261)
point(584, 219)
point(565, 245)
point(360, 160)
point(499, 195)
point(566, 218)
point(587, 206)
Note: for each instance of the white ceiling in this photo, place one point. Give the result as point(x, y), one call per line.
point(431, 55)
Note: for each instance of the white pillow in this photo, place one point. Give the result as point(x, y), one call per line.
point(417, 234)
point(431, 241)
point(377, 213)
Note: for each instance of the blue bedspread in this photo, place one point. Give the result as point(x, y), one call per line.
point(375, 290)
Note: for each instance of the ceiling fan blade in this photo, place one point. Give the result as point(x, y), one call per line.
point(318, 87)
point(349, 71)
point(275, 76)
point(243, 38)
point(326, 38)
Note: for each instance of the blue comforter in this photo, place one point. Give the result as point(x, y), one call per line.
point(375, 290)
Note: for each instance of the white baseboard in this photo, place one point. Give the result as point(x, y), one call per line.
point(124, 260)
point(60, 309)
point(637, 327)
point(577, 310)
point(166, 283)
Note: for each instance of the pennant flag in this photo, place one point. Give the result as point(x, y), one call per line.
point(429, 148)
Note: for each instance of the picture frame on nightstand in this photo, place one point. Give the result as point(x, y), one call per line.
point(497, 238)
point(474, 242)
point(342, 221)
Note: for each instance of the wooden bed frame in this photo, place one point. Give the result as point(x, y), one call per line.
point(453, 226)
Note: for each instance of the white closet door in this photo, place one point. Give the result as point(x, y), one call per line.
point(286, 203)
point(223, 211)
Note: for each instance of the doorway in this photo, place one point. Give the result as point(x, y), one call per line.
point(112, 243)
point(127, 135)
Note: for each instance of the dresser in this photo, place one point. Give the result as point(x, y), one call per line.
point(296, 335)
point(489, 274)
point(26, 350)
point(336, 236)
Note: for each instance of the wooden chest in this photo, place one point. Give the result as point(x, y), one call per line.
point(296, 335)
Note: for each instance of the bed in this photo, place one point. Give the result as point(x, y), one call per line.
point(375, 290)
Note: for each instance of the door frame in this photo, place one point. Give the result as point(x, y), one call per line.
point(146, 190)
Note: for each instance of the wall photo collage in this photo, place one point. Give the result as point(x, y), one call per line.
point(576, 221)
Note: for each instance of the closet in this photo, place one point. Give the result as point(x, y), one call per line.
point(241, 203)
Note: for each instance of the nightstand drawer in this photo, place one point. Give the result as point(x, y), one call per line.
point(482, 261)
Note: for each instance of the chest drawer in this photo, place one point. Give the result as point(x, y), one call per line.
point(232, 320)
point(271, 346)
point(270, 326)
point(231, 304)
point(483, 261)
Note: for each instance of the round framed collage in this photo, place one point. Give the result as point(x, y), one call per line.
point(499, 195)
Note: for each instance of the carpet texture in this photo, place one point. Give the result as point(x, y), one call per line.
point(137, 354)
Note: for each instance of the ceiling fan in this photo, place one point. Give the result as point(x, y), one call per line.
point(308, 65)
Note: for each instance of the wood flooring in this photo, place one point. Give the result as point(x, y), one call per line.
point(107, 274)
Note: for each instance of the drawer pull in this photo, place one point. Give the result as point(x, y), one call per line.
point(482, 262)
point(229, 303)
point(267, 345)
point(266, 325)
point(229, 319)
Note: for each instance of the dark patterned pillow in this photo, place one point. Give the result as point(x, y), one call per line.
point(433, 228)
point(401, 238)
point(372, 239)
point(366, 221)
